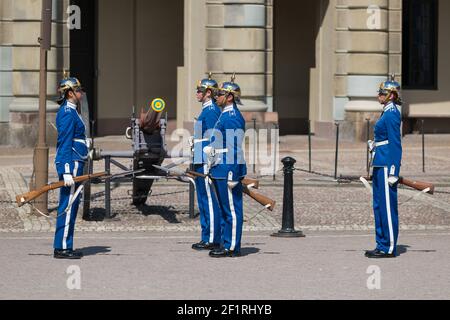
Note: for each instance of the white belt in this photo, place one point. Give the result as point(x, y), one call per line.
point(200, 140)
point(381, 143)
point(80, 141)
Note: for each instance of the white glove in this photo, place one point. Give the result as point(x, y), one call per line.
point(232, 184)
point(68, 180)
point(91, 154)
point(209, 151)
point(191, 141)
point(371, 145)
point(88, 143)
point(392, 180)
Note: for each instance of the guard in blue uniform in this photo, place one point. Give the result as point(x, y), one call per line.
point(386, 160)
point(71, 154)
point(228, 167)
point(210, 216)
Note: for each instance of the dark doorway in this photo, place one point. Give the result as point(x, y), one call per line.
point(294, 55)
point(420, 44)
point(140, 45)
point(83, 51)
point(126, 54)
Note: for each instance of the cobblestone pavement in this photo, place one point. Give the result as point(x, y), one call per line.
point(319, 203)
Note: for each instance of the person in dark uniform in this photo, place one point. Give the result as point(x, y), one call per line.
point(210, 215)
point(229, 168)
point(386, 153)
point(71, 154)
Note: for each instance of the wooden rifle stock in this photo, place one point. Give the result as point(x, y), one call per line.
point(263, 200)
point(417, 185)
point(253, 183)
point(248, 184)
point(29, 196)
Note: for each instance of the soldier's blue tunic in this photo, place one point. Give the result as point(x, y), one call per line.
point(210, 216)
point(386, 162)
point(228, 172)
point(71, 153)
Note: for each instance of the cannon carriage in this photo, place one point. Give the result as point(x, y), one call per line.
point(148, 148)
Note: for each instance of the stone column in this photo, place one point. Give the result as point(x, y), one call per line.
point(362, 54)
point(20, 61)
point(239, 34)
point(395, 38)
point(6, 95)
point(322, 104)
point(194, 67)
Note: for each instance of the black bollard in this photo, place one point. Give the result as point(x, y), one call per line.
point(287, 228)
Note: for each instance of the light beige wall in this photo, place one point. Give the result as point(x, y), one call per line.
point(294, 56)
point(238, 34)
point(115, 92)
point(324, 51)
point(159, 39)
point(159, 51)
point(19, 51)
point(435, 103)
point(193, 68)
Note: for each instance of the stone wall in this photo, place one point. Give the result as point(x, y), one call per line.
point(239, 39)
point(368, 48)
point(19, 58)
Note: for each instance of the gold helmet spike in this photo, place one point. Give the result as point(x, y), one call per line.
point(233, 77)
point(65, 74)
point(208, 83)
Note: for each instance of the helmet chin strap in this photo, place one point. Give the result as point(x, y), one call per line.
point(77, 102)
point(387, 98)
point(205, 98)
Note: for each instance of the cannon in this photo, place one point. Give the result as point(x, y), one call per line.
point(148, 148)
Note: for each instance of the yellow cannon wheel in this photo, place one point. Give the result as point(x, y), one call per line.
point(158, 105)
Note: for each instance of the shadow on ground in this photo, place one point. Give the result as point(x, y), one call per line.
point(401, 249)
point(92, 251)
point(168, 213)
point(248, 251)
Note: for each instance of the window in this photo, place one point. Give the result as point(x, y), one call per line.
point(420, 47)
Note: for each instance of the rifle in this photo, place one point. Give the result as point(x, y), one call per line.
point(248, 183)
point(23, 199)
point(417, 185)
point(263, 200)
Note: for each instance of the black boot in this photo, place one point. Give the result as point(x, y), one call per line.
point(202, 245)
point(220, 253)
point(378, 254)
point(67, 254)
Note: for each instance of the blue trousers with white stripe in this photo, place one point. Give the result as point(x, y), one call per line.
point(65, 223)
point(231, 205)
point(210, 216)
point(385, 207)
